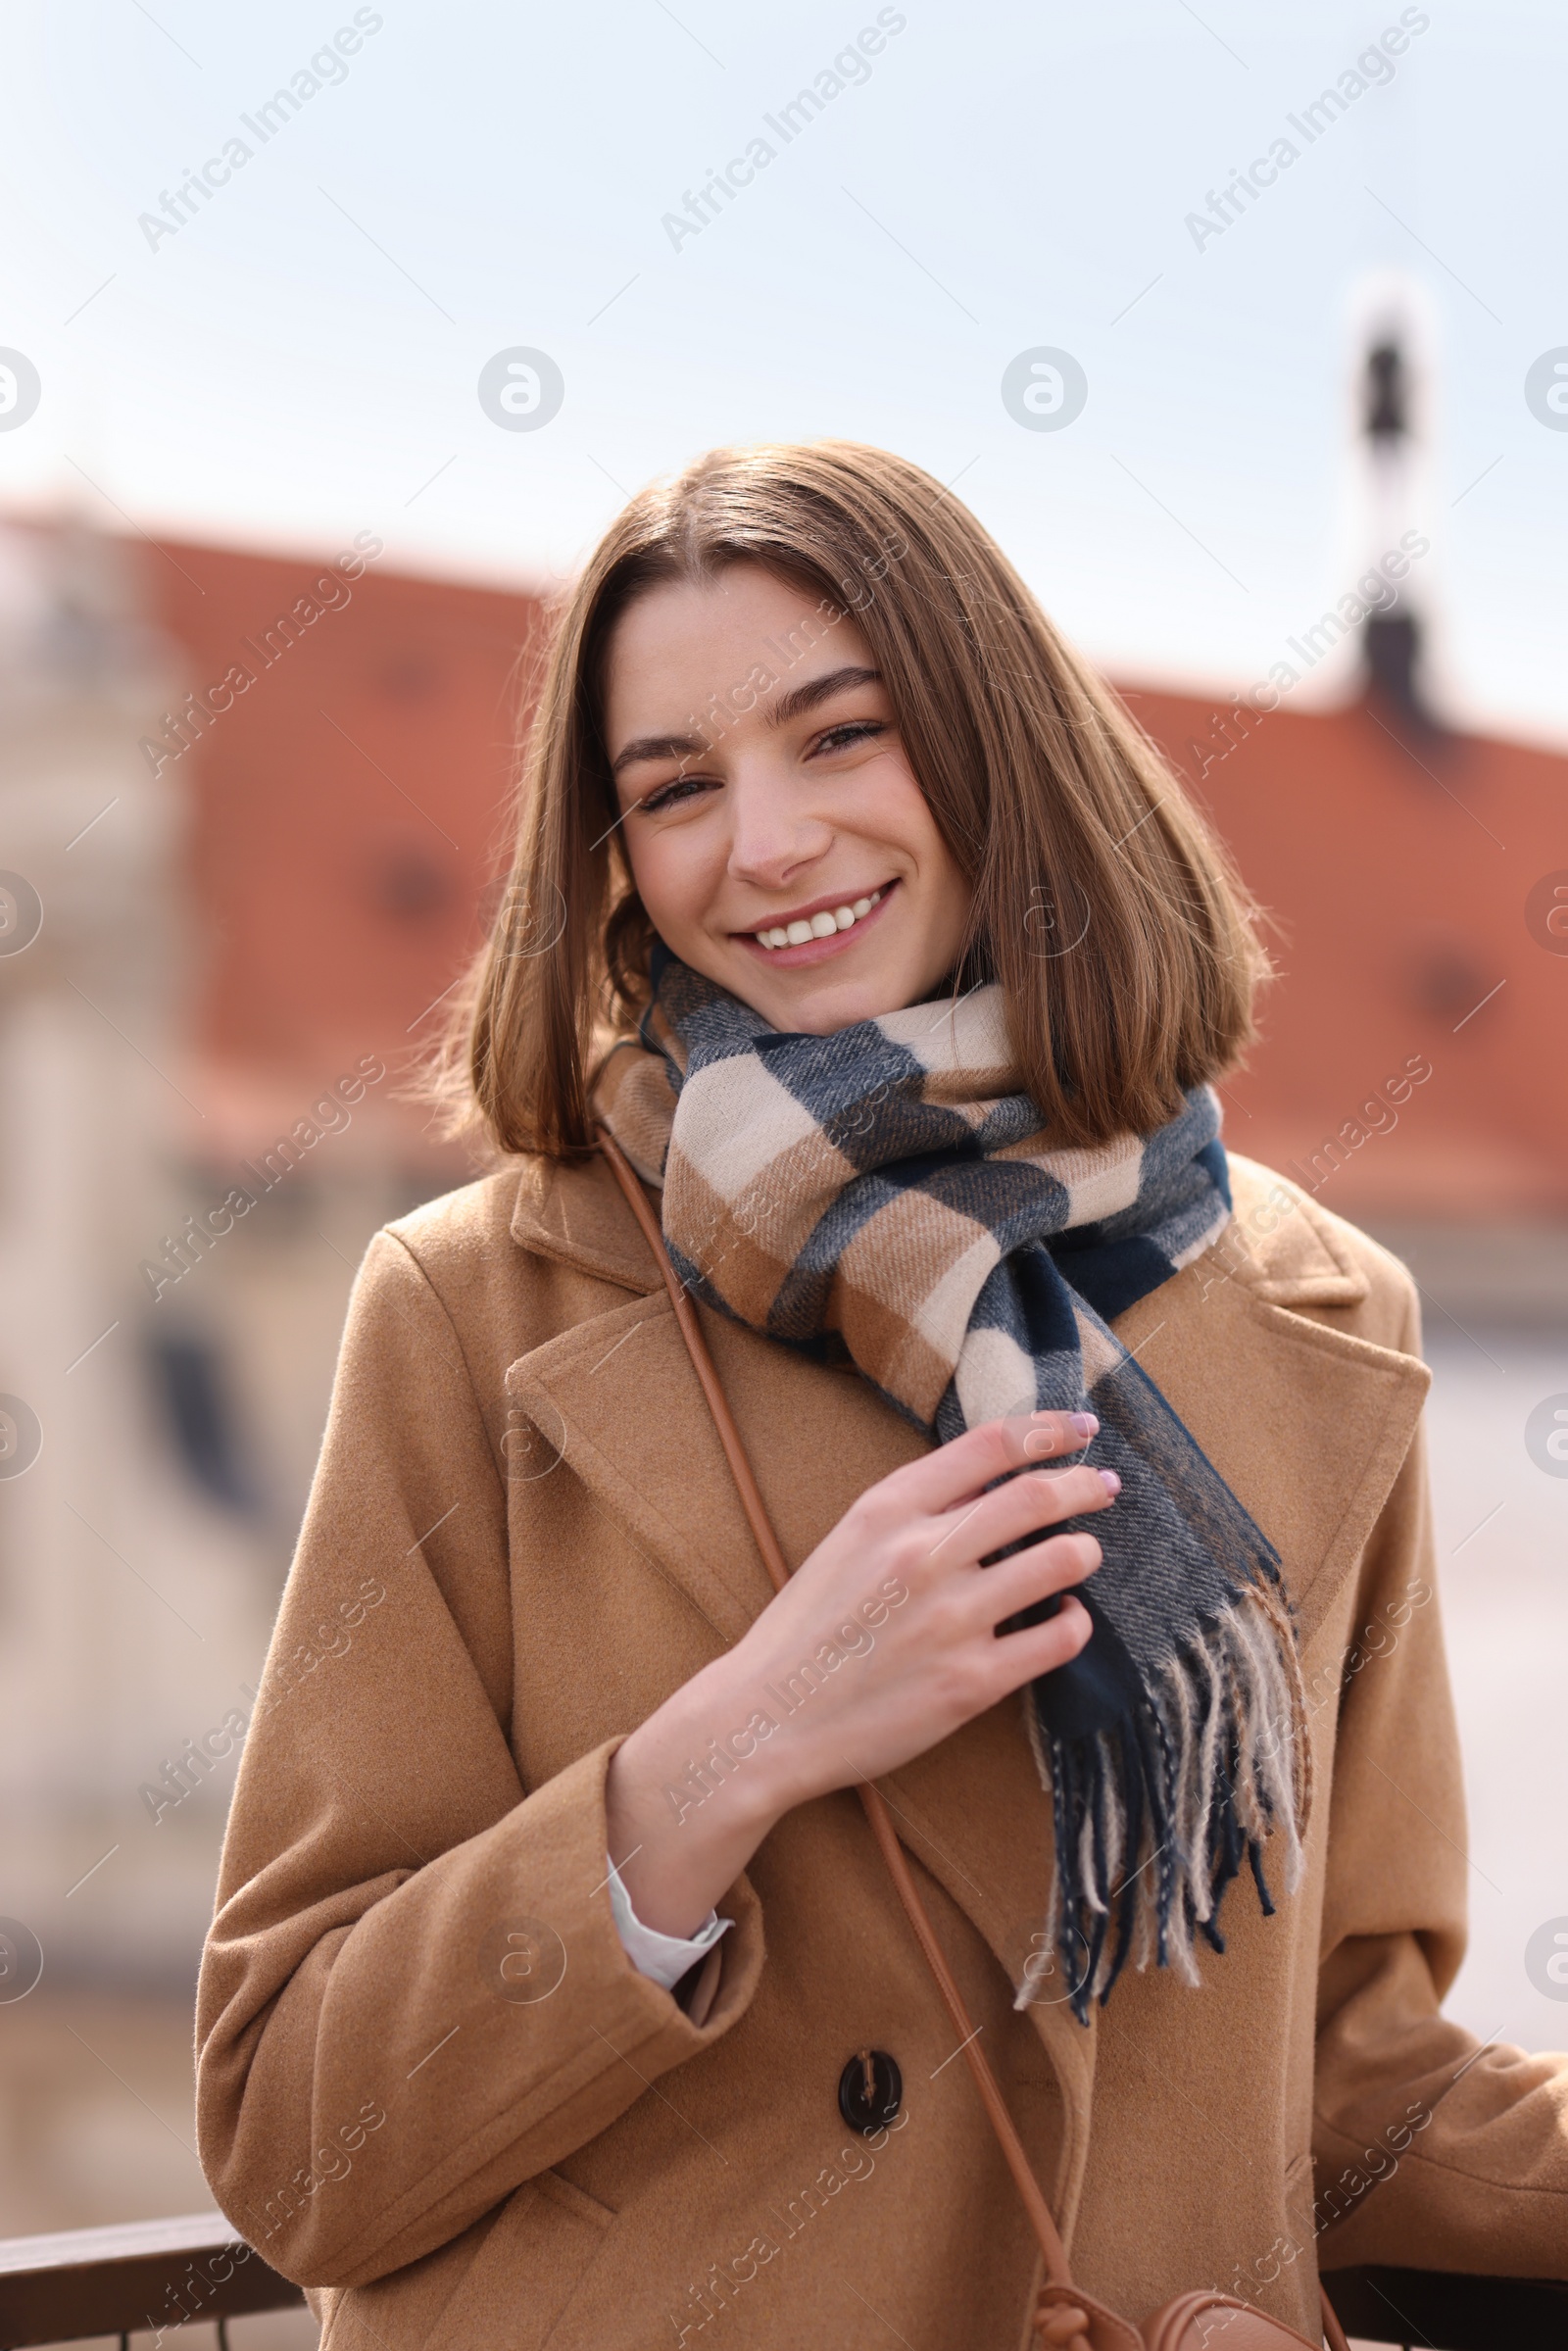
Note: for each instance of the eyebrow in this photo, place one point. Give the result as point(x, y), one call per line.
point(656, 747)
point(818, 689)
point(793, 705)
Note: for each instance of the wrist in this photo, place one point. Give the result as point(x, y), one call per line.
point(688, 1798)
point(716, 1752)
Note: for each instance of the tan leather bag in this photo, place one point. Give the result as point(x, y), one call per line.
point(1065, 2319)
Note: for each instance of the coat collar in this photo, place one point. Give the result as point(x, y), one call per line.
point(1284, 1247)
point(573, 1214)
point(1238, 1343)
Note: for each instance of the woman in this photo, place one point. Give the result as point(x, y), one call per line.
point(558, 1991)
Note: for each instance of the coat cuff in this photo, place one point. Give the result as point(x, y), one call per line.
point(662, 1958)
point(643, 2017)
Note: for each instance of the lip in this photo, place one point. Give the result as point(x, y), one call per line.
point(815, 951)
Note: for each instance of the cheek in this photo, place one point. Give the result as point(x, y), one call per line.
point(946, 892)
point(675, 875)
point(946, 874)
point(908, 820)
point(894, 814)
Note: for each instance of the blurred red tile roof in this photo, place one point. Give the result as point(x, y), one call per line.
point(350, 810)
point(1399, 865)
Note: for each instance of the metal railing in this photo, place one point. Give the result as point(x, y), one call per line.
point(1447, 2311)
point(154, 2276)
point(160, 2276)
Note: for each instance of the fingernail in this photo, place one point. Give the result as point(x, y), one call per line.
point(1085, 1424)
point(1110, 1480)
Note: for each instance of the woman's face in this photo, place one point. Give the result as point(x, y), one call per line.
point(777, 837)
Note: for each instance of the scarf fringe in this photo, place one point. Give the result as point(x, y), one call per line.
point(1155, 1817)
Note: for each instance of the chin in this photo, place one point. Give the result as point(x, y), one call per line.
point(820, 1011)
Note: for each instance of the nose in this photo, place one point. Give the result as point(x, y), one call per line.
point(773, 832)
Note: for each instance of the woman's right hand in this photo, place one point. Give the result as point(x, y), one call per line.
point(883, 1643)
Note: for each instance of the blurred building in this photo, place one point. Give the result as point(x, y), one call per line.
point(1417, 881)
point(1407, 872)
point(254, 811)
point(347, 818)
point(220, 929)
point(343, 743)
point(216, 945)
point(261, 803)
point(129, 1595)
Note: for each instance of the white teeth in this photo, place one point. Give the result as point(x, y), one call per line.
point(820, 926)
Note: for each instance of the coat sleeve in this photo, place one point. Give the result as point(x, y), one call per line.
point(1430, 2150)
point(413, 1996)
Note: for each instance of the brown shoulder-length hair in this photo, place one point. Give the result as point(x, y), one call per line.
point(1122, 938)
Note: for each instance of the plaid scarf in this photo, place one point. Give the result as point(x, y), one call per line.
point(886, 1195)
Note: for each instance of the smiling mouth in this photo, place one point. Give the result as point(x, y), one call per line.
point(810, 930)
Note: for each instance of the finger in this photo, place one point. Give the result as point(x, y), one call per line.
point(1039, 1648)
point(956, 1472)
point(1020, 1507)
point(1053, 1565)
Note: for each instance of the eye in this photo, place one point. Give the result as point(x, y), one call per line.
point(851, 731)
point(670, 795)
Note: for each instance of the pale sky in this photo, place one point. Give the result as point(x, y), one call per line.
point(301, 358)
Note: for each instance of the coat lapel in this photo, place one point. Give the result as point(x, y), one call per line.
point(618, 1395)
point(1307, 1422)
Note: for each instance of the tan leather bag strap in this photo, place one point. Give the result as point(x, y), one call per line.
point(876, 1812)
point(1057, 2271)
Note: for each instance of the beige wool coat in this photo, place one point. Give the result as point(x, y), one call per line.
point(433, 2088)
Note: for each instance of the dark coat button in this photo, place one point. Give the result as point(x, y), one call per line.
point(870, 2090)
